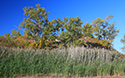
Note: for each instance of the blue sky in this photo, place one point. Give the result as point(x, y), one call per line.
point(11, 12)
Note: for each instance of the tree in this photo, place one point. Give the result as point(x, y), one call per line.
point(35, 22)
point(38, 27)
point(15, 33)
point(7, 35)
point(72, 31)
point(7, 41)
point(87, 30)
point(123, 41)
point(51, 32)
point(104, 30)
point(110, 31)
point(98, 27)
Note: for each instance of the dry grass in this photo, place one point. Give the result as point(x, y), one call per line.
point(76, 61)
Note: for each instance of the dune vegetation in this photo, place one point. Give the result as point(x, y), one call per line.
point(73, 61)
point(64, 47)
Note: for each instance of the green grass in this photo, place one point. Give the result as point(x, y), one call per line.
point(72, 61)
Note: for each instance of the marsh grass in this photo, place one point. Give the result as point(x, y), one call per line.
point(73, 61)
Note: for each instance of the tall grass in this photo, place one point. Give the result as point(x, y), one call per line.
point(75, 61)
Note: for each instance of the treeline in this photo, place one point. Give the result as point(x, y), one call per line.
point(41, 33)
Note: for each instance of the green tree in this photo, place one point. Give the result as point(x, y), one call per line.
point(103, 30)
point(15, 33)
point(35, 22)
point(7, 35)
point(123, 41)
point(51, 32)
point(87, 30)
point(38, 27)
point(71, 31)
point(110, 31)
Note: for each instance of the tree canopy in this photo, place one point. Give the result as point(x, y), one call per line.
point(41, 33)
point(104, 30)
point(35, 22)
point(123, 41)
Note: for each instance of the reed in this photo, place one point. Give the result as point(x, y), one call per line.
point(75, 61)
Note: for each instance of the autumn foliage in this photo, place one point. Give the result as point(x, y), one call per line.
point(40, 33)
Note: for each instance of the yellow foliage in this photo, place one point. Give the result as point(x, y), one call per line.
point(32, 45)
point(37, 45)
point(61, 22)
point(50, 23)
point(43, 9)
